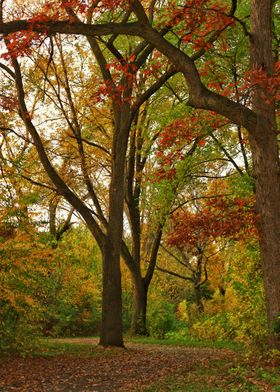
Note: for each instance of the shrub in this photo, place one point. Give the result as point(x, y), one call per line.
point(161, 318)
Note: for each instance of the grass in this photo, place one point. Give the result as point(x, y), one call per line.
point(188, 341)
point(220, 376)
point(49, 347)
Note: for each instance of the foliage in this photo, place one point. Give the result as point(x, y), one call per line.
point(240, 314)
point(219, 376)
point(161, 318)
point(46, 290)
point(23, 273)
point(91, 109)
point(176, 365)
point(73, 299)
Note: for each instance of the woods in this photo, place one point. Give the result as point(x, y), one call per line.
point(154, 124)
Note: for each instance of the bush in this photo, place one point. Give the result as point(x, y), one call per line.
point(161, 318)
point(19, 328)
point(45, 290)
point(73, 299)
point(22, 273)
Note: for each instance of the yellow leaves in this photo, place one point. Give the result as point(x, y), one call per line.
point(9, 296)
point(29, 300)
point(232, 301)
point(182, 311)
point(16, 299)
point(215, 305)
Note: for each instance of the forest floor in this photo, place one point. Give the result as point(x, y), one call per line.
point(79, 365)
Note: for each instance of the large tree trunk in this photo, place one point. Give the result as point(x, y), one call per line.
point(267, 180)
point(111, 327)
point(265, 156)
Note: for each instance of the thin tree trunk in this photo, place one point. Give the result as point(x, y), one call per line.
point(197, 298)
point(141, 286)
point(138, 322)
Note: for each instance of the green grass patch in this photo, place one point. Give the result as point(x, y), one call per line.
point(187, 341)
point(220, 376)
point(76, 346)
point(53, 347)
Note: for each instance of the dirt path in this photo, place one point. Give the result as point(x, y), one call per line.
point(106, 370)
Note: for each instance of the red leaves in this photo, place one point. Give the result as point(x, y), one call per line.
point(201, 142)
point(220, 217)
point(78, 5)
point(19, 44)
point(269, 85)
point(125, 69)
point(177, 138)
point(174, 132)
point(113, 4)
point(196, 20)
point(8, 103)
point(170, 143)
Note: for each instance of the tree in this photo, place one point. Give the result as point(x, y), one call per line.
point(118, 86)
point(199, 232)
point(148, 199)
point(198, 23)
point(261, 126)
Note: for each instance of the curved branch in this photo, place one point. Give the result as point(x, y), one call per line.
point(61, 186)
point(174, 274)
point(200, 96)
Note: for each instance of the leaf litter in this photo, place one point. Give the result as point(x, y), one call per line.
point(105, 370)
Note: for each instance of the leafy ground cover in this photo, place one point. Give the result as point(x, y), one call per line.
point(79, 365)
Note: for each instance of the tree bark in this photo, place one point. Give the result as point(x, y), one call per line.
point(142, 285)
point(264, 146)
point(197, 298)
point(111, 327)
point(138, 322)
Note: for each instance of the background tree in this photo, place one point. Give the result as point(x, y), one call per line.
point(197, 235)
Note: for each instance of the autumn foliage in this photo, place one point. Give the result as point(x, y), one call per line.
point(79, 102)
point(219, 217)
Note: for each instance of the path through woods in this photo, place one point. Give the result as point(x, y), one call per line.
point(79, 365)
point(105, 370)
